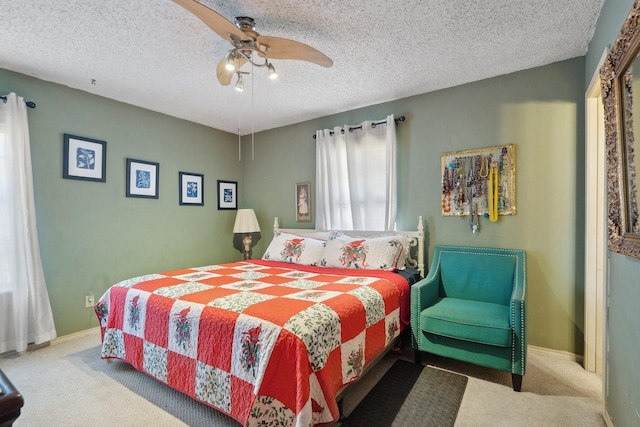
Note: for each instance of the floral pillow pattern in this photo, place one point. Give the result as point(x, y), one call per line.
point(378, 253)
point(295, 249)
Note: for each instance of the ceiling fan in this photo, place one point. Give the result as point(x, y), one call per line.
point(249, 46)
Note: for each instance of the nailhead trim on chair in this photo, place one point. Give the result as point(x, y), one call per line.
point(417, 310)
point(522, 320)
point(465, 250)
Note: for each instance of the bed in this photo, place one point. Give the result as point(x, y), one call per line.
point(272, 341)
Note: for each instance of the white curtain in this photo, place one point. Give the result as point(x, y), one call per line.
point(25, 311)
point(356, 177)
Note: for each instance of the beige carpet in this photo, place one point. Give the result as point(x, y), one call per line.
point(61, 388)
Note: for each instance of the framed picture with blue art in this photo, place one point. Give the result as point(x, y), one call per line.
point(191, 189)
point(227, 195)
point(84, 158)
point(143, 179)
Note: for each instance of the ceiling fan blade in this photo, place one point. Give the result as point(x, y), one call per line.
point(214, 20)
point(224, 75)
point(279, 48)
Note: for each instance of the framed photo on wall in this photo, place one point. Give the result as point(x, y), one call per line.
point(303, 202)
point(84, 158)
point(191, 189)
point(142, 179)
point(227, 195)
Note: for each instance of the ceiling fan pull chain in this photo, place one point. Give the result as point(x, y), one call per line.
point(252, 127)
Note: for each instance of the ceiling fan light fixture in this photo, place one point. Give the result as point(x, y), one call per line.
point(273, 74)
point(239, 83)
point(249, 46)
point(229, 61)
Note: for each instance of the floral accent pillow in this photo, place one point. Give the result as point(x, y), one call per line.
point(295, 249)
point(323, 234)
point(377, 253)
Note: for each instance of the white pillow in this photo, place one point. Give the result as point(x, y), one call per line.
point(320, 234)
point(295, 249)
point(376, 253)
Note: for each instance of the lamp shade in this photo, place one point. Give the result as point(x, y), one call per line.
point(246, 222)
point(246, 231)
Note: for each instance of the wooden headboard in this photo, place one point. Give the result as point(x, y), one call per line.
point(416, 239)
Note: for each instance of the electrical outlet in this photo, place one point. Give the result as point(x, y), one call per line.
point(89, 300)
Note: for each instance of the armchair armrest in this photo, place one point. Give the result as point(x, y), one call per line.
point(424, 294)
point(518, 319)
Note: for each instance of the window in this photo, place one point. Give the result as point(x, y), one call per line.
point(356, 177)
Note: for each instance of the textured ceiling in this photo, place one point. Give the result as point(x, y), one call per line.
point(156, 55)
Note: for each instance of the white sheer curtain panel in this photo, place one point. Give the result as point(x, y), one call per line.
point(25, 310)
point(356, 183)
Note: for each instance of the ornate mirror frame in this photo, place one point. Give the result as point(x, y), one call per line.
point(620, 189)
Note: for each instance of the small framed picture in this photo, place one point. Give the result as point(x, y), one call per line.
point(227, 195)
point(191, 189)
point(84, 158)
point(142, 179)
point(303, 202)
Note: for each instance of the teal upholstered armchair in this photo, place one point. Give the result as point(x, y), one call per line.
point(472, 307)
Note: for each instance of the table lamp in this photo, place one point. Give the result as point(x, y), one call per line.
point(246, 232)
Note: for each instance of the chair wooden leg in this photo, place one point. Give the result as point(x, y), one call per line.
point(517, 382)
point(417, 354)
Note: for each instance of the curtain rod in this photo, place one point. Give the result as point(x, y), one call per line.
point(374, 124)
point(30, 104)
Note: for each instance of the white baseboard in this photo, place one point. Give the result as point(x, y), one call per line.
point(532, 348)
point(556, 353)
point(607, 419)
point(57, 340)
point(74, 335)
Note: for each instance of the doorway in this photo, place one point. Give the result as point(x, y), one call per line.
point(595, 227)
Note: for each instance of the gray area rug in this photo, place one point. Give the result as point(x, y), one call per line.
point(181, 406)
point(406, 395)
point(411, 395)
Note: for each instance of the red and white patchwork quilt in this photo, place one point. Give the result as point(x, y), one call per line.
point(266, 343)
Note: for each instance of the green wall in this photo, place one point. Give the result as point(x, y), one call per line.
point(91, 235)
point(623, 374)
point(539, 110)
point(622, 396)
